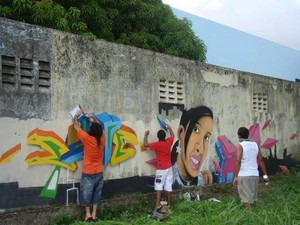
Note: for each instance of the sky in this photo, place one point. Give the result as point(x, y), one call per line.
point(274, 20)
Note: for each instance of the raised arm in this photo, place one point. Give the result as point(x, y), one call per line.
point(146, 144)
point(94, 118)
point(76, 123)
point(170, 130)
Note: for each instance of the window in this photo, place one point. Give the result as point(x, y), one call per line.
point(260, 102)
point(9, 67)
point(27, 78)
point(44, 76)
point(171, 92)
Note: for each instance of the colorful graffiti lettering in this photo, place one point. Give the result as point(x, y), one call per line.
point(226, 162)
point(254, 133)
point(53, 148)
point(110, 124)
point(269, 143)
point(119, 146)
point(227, 155)
point(119, 143)
point(9, 154)
point(124, 141)
point(50, 189)
point(75, 152)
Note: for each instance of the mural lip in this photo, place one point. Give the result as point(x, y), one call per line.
point(195, 161)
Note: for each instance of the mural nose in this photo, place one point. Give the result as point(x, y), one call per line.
point(199, 148)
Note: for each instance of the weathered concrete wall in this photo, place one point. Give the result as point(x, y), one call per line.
point(45, 73)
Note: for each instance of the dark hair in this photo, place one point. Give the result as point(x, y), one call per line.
point(96, 131)
point(190, 117)
point(243, 132)
point(161, 135)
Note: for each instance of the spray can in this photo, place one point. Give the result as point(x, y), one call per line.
point(266, 179)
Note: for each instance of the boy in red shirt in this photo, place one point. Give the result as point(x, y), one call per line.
point(164, 172)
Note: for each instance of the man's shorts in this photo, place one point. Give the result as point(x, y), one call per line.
point(163, 180)
point(248, 188)
point(90, 188)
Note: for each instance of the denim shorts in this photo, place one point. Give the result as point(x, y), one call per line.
point(91, 188)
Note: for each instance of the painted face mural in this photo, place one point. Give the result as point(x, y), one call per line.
point(191, 149)
point(197, 147)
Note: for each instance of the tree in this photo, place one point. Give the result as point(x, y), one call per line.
point(147, 24)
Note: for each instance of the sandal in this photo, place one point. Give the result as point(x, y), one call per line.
point(158, 209)
point(90, 219)
point(95, 220)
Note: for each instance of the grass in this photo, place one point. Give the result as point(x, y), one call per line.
point(278, 203)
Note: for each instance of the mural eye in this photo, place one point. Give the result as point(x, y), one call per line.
point(206, 137)
point(196, 129)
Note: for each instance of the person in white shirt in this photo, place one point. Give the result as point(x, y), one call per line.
point(248, 156)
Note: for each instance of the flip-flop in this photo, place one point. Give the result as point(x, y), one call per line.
point(158, 209)
point(90, 219)
point(95, 220)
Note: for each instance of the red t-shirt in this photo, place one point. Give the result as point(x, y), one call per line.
point(92, 154)
point(163, 153)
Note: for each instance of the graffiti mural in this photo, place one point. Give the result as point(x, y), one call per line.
point(53, 147)
point(191, 149)
point(120, 146)
point(226, 153)
point(110, 124)
point(124, 141)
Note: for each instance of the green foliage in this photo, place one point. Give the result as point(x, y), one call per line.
point(89, 35)
point(48, 14)
point(177, 30)
point(141, 200)
point(109, 213)
point(142, 40)
point(62, 24)
point(63, 219)
point(98, 20)
point(5, 11)
point(277, 204)
point(22, 6)
point(147, 24)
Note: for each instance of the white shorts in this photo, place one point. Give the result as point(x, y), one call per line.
point(163, 180)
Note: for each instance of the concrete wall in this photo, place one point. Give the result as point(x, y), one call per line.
point(45, 73)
